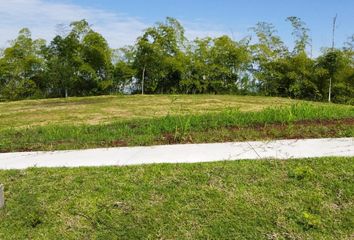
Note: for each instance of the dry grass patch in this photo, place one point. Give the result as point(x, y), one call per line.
point(105, 109)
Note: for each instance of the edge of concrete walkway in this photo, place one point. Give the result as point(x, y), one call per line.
point(187, 153)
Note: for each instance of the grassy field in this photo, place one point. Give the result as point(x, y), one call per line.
point(303, 120)
point(106, 109)
point(295, 199)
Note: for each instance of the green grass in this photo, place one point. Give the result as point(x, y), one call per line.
point(295, 199)
point(300, 120)
point(107, 109)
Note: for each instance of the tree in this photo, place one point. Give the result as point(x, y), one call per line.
point(339, 66)
point(97, 60)
point(270, 46)
point(157, 57)
point(279, 72)
point(63, 62)
point(147, 63)
point(124, 71)
point(230, 62)
point(80, 63)
point(269, 50)
point(21, 67)
point(217, 66)
point(300, 32)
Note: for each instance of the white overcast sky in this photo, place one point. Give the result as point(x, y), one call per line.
point(42, 17)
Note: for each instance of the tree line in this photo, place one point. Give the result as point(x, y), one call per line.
point(79, 62)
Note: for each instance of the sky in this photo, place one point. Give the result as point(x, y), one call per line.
point(122, 21)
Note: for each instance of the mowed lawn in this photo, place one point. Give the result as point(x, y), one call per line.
point(106, 109)
point(294, 199)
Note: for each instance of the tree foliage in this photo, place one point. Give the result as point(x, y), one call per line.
point(79, 62)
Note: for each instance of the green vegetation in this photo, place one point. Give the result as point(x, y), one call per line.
point(296, 121)
point(164, 61)
point(107, 109)
point(295, 199)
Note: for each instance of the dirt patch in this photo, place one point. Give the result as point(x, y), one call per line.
point(169, 138)
point(324, 122)
point(118, 143)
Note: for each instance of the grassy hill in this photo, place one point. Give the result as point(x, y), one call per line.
point(105, 109)
point(111, 121)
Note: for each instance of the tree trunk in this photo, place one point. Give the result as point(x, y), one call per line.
point(330, 90)
point(66, 93)
point(142, 81)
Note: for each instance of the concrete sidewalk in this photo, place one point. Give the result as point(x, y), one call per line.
point(190, 153)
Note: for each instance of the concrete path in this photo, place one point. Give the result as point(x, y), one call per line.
point(190, 153)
